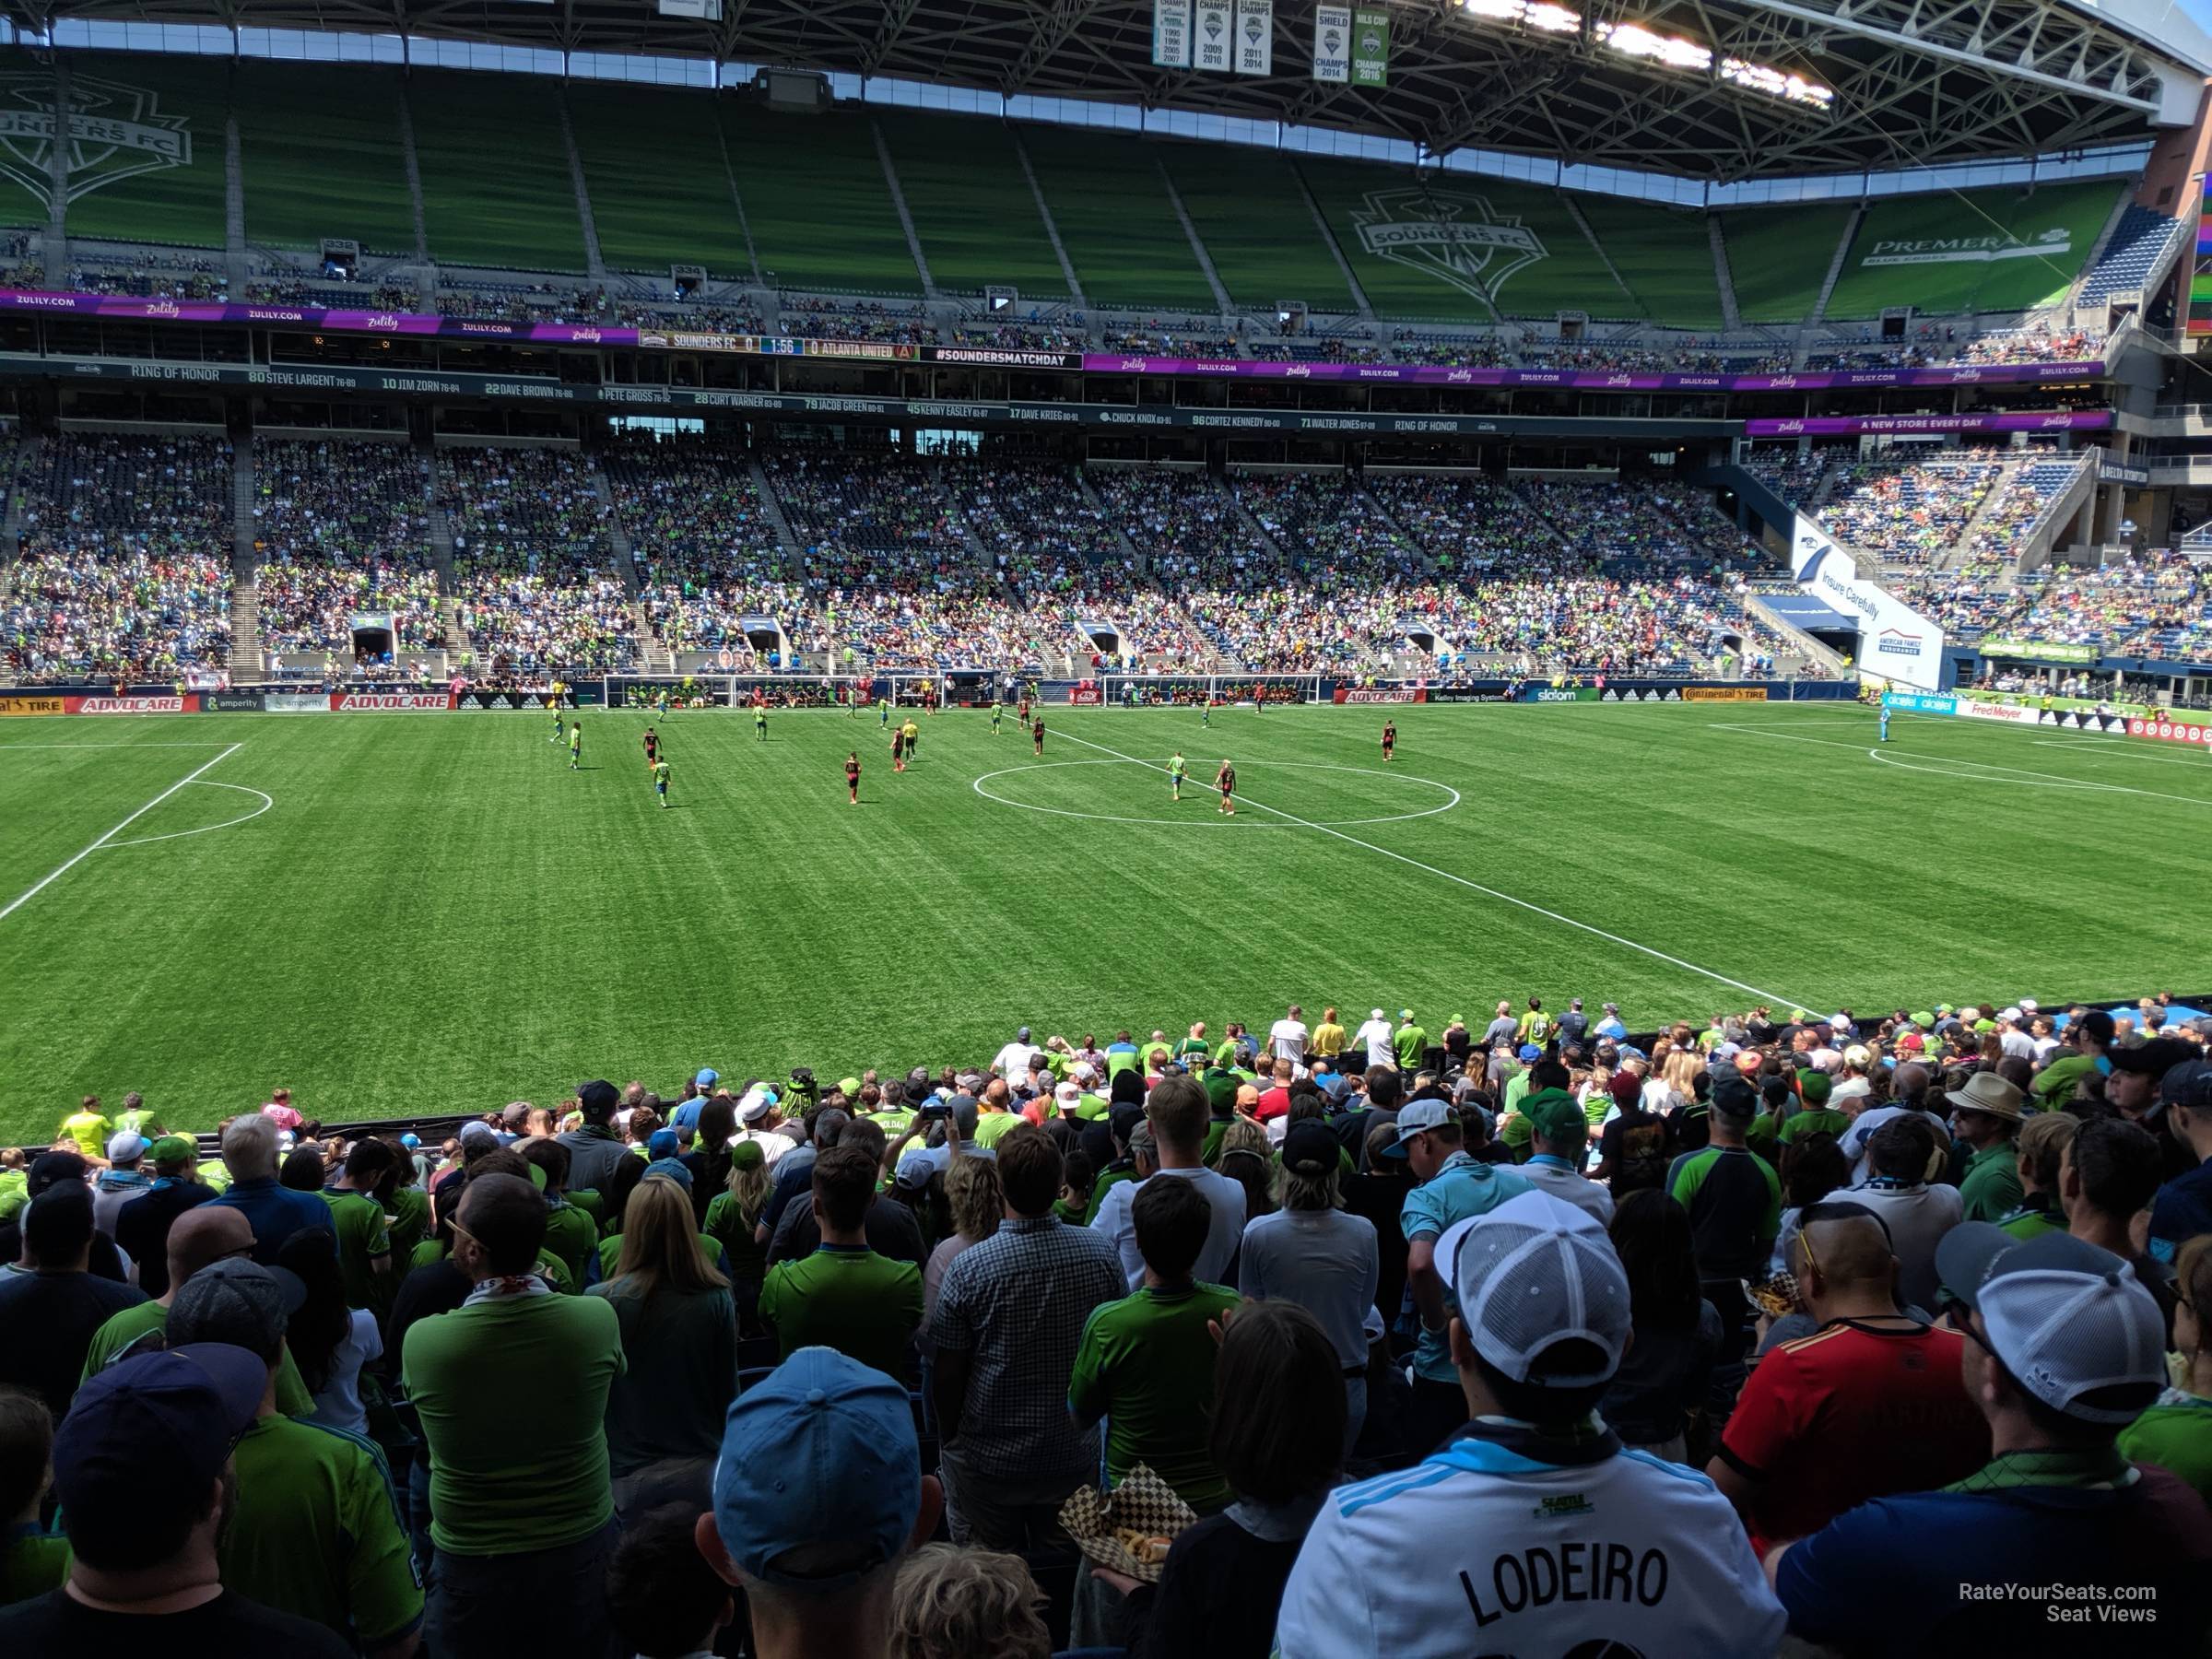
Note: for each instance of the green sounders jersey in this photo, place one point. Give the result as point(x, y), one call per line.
point(31, 1563)
point(134, 1323)
point(1146, 1365)
point(359, 1221)
point(1408, 1043)
point(572, 1235)
point(845, 1297)
point(317, 1532)
point(89, 1130)
point(410, 1221)
point(512, 1393)
point(991, 1127)
point(2176, 1434)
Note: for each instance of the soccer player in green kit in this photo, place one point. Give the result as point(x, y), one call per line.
point(660, 781)
point(998, 712)
point(883, 713)
point(575, 746)
point(761, 722)
point(554, 703)
point(1177, 768)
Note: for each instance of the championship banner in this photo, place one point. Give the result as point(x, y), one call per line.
point(1403, 694)
point(387, 703)
point(32, 705)
point(133, 705)
point(1370, 47)
point(1214, 37)
point(1725, 694)
point(1171, 34)
point(1256, 37)
point(1333, 44)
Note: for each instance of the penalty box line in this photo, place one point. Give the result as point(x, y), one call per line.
point(1770, 997)
point(40, 886)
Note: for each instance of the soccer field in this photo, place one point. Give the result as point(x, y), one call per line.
point(431, 914)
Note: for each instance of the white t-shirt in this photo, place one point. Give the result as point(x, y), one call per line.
point(774, 1143)
point(1483, 1549)
point(1375, 1036)
point(2017, 1043)
point(339, 1403)
point(2044, 1048)
point(1012, 1062)
point(1854, 1142)
point(1287, 1038)
point(1574, 1187)
point(1223, 1232)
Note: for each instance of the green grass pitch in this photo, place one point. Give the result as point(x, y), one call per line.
point(432, 914)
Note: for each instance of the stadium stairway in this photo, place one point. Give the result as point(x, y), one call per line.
point(1731, 318)
point(1961, 546)
point(906, 219)
point(792, 565)
point(1632, 306)
point(1205, 262)
point(1328, 237)
point(412, 165)
point(1044, 212)
point(1251, 527)
point(1835, 265)
point(236, 268)
point(594, 263)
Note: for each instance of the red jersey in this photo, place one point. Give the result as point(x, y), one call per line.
point(1038, 729)
point(1852, 1412)
point(897, 745)
point(851, 772)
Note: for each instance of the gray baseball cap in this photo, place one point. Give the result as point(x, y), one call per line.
point(237, 1301)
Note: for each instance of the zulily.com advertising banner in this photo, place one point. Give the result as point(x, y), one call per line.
point(1895, 641)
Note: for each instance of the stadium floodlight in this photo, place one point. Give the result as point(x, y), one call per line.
point(1635, 40)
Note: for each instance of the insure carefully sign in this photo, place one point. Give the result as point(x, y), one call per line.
point(1171, 34)
point(1256, 37)
point(1333, 44)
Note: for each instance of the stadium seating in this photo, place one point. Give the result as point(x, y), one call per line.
point(2014, 514)
point(319, 152)
point(532, 564)
point(1778, 257)
point(972, 207)
point(181, 204)
point(1663, 256)
point(1910, 511)
point(340, 528)
point(2139, 243)
point(707, 553)
point(519, 213)
point(661, 192)
point(816, 199)
point(125, 567)
point(1252, 218)
point(1112, 210)
point(1906, 251)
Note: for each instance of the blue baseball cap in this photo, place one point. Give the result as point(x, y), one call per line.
point(151, 1433)
point(819, 1480)
point(708, 1077)
point(668, 1168)
point(1529, 1052)
point(410, 1142)
point(661, 1143)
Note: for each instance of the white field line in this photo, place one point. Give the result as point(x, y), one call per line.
point(1947, 766)
point(147, 841)
point(43, 882)
point(1770, 997)
point(211, 743)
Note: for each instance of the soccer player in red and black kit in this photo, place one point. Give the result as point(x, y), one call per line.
point(853, 778)
point(1390, 737)
point(1037, 731)
point(1021, 712)
point(1226, 781)
point(898, 748)
point(652, 747)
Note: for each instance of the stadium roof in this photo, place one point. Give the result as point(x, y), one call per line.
point(1695, 87)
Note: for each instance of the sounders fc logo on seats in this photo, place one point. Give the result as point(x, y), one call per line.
point(1450, 235)
point(112, 131)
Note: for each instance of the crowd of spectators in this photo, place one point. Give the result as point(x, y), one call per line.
point(1861, 1332)
point(859, 320)
point(1910, 511)
point(1933, 344)
point(338, 528)
point(123, 569)
point(178, 277)
point(532, 564)
point(707, 552)
point(522, 302)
